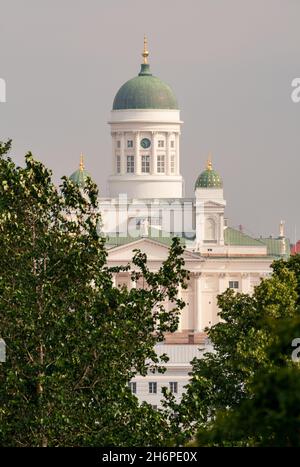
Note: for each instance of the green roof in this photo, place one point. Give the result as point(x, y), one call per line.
point(274, 246)
point(237, 238)
point(145, 91)
point(79, 177)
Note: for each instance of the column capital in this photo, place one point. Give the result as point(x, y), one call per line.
point(196, 275)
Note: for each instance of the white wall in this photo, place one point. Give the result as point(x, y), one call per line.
point(154, 125)
point(146, 186)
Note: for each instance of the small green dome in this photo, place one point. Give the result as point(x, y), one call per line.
point(145, 91)
point(209, 178)
point(80, 176)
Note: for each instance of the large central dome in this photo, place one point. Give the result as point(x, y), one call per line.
point(145, 91)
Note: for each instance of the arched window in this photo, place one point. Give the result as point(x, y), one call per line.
point(210, 229)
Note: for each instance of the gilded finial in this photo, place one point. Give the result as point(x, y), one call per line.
point(209, 162)
point(81, 163)
point(145, 53)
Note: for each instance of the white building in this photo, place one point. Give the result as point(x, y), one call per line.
point(146, 207)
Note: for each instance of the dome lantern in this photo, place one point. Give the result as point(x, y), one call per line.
point(145, 91)
point(80, 176)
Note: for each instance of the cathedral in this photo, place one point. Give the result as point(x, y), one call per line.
point(146, 207)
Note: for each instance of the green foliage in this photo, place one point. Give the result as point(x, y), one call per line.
point(226, 401)
point(270, 415)
point(73, 340)
point(293, 264)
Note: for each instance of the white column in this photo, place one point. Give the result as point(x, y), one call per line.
point(114, 280)
point(177, 159)
point(198, 312)
point(223, 286)
point(179, 296)
point(137, 154)
point(223, 282)
point(221, 230)
point(114, 156)
point(154, 154)
point(122, 152)
point(199, 223)
point(168, 159)
point(245, 285)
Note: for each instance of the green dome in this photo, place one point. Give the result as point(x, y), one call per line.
point(80, 176)
point(145, 91)
point(209, 179)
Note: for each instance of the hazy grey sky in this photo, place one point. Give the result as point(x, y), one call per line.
point(230, 63)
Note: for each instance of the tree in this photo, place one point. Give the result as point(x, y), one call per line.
point(228, 378)
point(270, 415)
point(292, 264)
point(73, 340)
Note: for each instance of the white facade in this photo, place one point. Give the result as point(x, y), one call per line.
point(175, 378)
point(146, 207)
point(242, 269)
point(145, 172)
point(209, 277)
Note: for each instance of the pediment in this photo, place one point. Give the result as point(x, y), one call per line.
point(155, 251)
point(214, 204)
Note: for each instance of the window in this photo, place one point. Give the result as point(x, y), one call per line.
point(118, 144)
point(130, 143)
point(172, 143)
point(233, 284)
point(161, 143)
point(145, 164)
point(172, 165)
point(173, 387)
point(130, 164)
point(132, 387)
point(160, 164)
point(118, 164)
point(152, 388)
point(154, 407)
